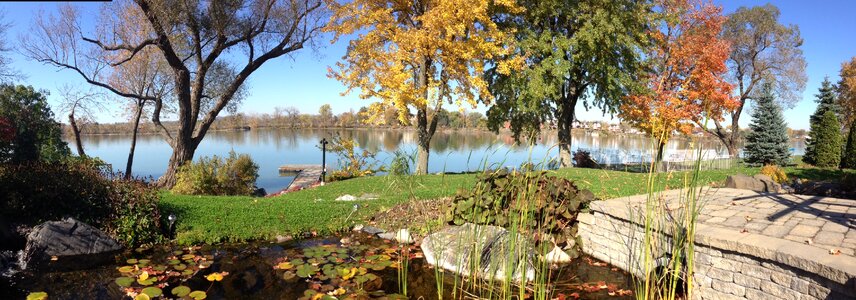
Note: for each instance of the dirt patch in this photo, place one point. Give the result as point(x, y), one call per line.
point(420, 217)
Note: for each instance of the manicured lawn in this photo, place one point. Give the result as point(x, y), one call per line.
point(212, 219)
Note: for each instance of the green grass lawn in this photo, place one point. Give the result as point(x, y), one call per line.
point(213, 219)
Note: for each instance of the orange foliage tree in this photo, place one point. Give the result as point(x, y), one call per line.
point(686, 82)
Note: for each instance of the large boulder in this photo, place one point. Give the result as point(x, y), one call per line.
point(488, 252)
point(759, 183)
point(67, 245)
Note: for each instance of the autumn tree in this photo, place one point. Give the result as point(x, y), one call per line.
point(575, 51)
point(686, 82)
point(193, 38)
point(762, 50)
point(419, 55)
point(847, 92)
point(325, 114)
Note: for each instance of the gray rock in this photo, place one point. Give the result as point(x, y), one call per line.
point(372, 230)
point(358, 227)
point(402, 236)
point(758, 183)
point(387, 235)
point(455, 249)
point(346, 197)
point(67, 245)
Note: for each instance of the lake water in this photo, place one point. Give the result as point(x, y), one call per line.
point(451, 151)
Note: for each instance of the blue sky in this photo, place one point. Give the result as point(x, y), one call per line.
point(301, 81)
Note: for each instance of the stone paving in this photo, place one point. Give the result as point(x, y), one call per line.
point(824, 222)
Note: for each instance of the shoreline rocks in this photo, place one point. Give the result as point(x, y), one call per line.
point(67, 244)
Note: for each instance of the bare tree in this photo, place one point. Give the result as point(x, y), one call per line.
point(80, 105)
point(192, 38)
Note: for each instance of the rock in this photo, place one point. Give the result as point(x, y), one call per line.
point(346, 197)
point(259, 192)
point(345, 241)
point(403, 237)
point(758, 183)
point(67, 245)
point(557, 256)
point(283, 238)
point(497, 251)
point(372, 230)
point(358, 227)
point(386, 235)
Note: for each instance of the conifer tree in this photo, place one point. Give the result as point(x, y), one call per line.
point(848, 160)
point(767, 143)
point(825, 138)
point(826, 101)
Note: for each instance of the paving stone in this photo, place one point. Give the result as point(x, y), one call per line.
point(776, 230)
point(804, 230)
point(829, 238)
point(735, 221)
point(834, 227)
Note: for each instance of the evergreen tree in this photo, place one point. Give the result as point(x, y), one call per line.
point(825, 138)
point(767, 143)
point(826, 101)
point(848, 160)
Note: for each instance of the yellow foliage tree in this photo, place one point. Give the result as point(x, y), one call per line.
point(419, 55)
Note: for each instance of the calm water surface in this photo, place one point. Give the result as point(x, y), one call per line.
point(451, 151)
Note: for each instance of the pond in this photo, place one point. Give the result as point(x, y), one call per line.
point(354, 267)
point(451, 151)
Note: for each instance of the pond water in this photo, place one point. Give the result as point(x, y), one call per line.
point(451, 151)
point(364, 268)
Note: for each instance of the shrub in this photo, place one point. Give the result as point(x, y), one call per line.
point(236, 175)
point(353, 164)
point(582, 159)
point(35, 192)
point(775, 172)
point(498, 198)
point(848, 159)
point(400, 164)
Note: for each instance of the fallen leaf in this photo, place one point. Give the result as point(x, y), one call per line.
point(834, 251)
point(809, 241)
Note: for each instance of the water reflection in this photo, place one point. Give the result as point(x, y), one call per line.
point(452, 151)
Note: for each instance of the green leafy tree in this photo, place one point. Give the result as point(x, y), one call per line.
point(576, 51)
point(826, 101)
point(767, 143)
point(825, 139)
point(30, 131)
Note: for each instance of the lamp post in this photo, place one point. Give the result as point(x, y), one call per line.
point(171, 229)
point(323, 160)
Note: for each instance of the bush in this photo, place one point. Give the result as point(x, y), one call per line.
point(775, 172)
point(582, 159)
point(36, 192)
point(236, 175)
point(400, 164)
point(353, 164)
point(551, 204)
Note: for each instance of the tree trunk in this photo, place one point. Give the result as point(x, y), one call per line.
point(661, 149)
point(129, 165)
point(76, 131)
point(565, 125)
point(424, 141)
point(181, 154)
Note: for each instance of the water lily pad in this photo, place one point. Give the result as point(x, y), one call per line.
point(159, 268)
point(37, 296)
point(179, 267)
point(131, 261)
point(142, 296)
point(143, 262)
point(214, 277)
point(177, 252)
point(284, 265)
point(198, 295)
point(147, 281)
point(124, 281)
point(126, 269)
point(173, 262)
point(152, 291)
point(180, 291)
point(188, 257)
point(306, 271)
point(187, 272)
point(288, 275)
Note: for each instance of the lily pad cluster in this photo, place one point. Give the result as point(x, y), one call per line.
point(143, 279)
point(335, 272)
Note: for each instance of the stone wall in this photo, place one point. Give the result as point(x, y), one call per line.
point(727, 265)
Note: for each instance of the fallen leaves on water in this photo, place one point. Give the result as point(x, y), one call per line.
point(37, 296)
point(216, 276)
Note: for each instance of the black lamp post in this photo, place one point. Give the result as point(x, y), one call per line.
point(323, 159)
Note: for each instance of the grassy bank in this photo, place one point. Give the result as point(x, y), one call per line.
point(212, 219)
